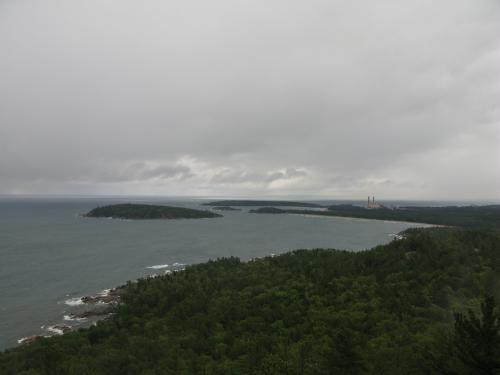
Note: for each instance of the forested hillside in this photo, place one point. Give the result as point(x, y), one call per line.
point(385, 311)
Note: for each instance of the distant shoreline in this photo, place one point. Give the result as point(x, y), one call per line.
point(479, 217)
point(370, 219)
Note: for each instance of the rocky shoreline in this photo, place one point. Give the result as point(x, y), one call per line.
point(88, 310)
point(109, 296)
point(101, 306)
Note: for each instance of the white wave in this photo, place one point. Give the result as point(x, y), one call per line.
point(159, 266)
point(178, 264)
point(29, 338)
point(74, 301)
point(104, 293)
point(53, 329)
point(71, 318)
point(168, 272)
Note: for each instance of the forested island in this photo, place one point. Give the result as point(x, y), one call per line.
point(487, 217)
point(254, 203)
point(147, 211)
point(225, 208)
point(400, 308)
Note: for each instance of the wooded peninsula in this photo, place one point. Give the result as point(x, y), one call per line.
point(487, 217)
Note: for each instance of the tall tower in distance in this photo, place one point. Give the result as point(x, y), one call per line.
point(371, 203)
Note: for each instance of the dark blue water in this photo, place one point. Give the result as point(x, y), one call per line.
point(48, 254)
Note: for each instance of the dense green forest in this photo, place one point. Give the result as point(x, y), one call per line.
point(487, 217)
point(147, 211)
point(261, 203)
point(400, 308)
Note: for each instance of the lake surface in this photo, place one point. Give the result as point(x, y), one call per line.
point(50, 255)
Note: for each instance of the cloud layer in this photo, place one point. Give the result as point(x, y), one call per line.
point(332, 98)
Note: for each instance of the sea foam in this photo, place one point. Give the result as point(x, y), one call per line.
point(158, 266)
point(20, 341)
point(54, 329)
point(104, 293)
point(74, 301)
point(72, 318)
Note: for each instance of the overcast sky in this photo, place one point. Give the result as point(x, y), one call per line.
point(334, 98)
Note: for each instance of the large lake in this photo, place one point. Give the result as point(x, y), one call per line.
point(49, 254)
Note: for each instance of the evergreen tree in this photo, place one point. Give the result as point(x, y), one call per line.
point(477, 340)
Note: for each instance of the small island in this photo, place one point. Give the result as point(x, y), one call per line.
point(268, 210)
point(261, 203)
point(225, 208)
point(147, 211)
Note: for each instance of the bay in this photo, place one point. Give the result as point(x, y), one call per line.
point(49, 254)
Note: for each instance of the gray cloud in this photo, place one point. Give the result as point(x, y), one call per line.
point(287, 174)
point(232, 176)
point(181, 172)
point(251, 98)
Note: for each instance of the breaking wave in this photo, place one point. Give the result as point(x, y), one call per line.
point(74, 301)
point(158, 266)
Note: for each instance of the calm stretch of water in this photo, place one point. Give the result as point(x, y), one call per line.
point(48, 254)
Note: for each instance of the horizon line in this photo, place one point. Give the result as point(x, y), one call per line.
point(240, 197)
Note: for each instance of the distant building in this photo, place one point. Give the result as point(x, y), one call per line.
point(371, 203)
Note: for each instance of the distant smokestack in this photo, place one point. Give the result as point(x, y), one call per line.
point(368, 205)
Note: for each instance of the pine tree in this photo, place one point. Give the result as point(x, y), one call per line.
point(477, 339)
